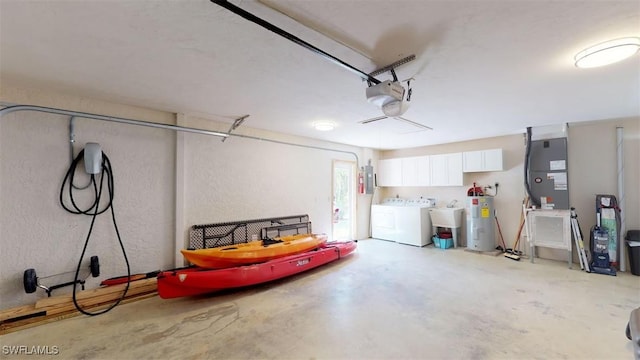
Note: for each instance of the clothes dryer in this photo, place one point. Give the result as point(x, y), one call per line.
point(414, 222)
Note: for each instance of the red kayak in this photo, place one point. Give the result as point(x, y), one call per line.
point(196, 281)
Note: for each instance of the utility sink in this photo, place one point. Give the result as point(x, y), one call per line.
point(446, 217)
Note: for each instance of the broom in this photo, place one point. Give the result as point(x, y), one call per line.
point(503, 245)
point(513, 254)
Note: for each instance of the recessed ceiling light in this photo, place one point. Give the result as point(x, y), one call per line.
point(324, 125)
point(607, 52)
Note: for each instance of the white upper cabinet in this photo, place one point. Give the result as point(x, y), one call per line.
point(415, 171)
point(482, 160)
point(390, 172)
point(446, 170)
point(428, 170)
point(409, 171)
point(424, 172)
point(472, 161)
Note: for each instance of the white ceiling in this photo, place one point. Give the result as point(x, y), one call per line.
point(482, 68)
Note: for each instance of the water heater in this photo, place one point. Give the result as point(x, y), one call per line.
point(481, 232)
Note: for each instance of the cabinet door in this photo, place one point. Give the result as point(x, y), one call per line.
point(390, 172)
point(493, 160)
point(415, 171)
point(446, 170)
point(424, 176)
point(439, 176)
point(409, 171)
point(472, 161)
point(454, 169)
point(483, 160)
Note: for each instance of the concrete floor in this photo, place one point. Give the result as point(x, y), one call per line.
point(387, 301)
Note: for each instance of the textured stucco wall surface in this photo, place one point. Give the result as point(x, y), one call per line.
point(36, 232)
point(164, 183)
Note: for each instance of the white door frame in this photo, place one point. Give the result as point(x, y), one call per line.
point(351, 191)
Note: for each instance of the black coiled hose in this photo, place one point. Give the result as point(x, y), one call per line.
point(93, 211)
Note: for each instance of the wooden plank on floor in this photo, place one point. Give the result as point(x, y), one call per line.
point(7, 328)
point(96, 300)
point(63, 305)
point(86, 294)
point(17, 312)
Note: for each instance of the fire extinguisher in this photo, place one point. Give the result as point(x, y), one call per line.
point(360, 183)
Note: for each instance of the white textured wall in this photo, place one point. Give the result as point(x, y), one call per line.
point(242, 179)
point(236, 180)
point(35, 232)
point(592, 165)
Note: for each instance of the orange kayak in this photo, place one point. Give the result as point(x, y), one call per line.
point(253, 252)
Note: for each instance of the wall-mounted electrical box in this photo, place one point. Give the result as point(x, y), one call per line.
point(93, 158)
point(368, 179)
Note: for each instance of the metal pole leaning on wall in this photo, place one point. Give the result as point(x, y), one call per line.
point(14, 108)
point(621, 200)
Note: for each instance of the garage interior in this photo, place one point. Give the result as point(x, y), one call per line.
point(247, 103)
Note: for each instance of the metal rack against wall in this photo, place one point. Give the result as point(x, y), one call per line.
point(238, 232)
point(551, 229)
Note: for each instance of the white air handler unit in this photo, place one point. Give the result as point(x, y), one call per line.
point(481, 232)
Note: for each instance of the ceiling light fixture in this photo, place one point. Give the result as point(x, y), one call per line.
point(324, 126)
point(607, 52)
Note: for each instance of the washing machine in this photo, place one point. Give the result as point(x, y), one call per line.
point(403, 221)
point(385, 217)
point(414, 223)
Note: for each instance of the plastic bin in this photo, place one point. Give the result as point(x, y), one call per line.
point(633, 249)
point(442, 243)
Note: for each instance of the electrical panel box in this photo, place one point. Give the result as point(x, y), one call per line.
point(368, 179)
